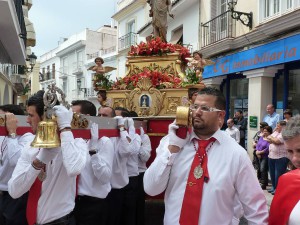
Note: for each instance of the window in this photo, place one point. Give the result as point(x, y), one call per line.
point(271, 8)
point(131, 26)
point(53, 71)
point(64, 85)
point(294, 91)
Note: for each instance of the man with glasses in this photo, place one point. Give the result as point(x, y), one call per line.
point(204, 173)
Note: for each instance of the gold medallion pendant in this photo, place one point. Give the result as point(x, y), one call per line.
point(198, 172)
point(42, 175)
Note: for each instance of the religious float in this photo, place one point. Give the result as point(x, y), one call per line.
point(156, 83)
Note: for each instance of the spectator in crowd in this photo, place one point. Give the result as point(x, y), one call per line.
point(277, 155)
point(233, 131)
point(256, 137)
point(287, 114)
point(271, 118)
point(241, 124)
point(101, 97)
point(204, 169)
point(262, 151)
point(285, 207)
point(192, 93)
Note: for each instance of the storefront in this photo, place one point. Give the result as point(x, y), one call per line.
point(253, 78)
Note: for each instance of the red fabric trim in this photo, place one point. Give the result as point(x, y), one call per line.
point(286, 197)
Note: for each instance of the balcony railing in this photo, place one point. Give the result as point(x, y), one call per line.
point(77, 68)
point(127, 40)
point(20, 15)
point(217, 29)
point(63, 71)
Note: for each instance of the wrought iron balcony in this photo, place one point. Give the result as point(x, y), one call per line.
point(127, 40)
point(77, 68)
point(217, 29)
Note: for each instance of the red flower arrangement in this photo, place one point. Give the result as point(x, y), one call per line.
point(159, 80)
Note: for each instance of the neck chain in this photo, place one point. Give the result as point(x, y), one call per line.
point(3, 148)
point(205, 152)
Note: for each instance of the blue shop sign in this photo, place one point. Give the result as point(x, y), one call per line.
point(277, 52)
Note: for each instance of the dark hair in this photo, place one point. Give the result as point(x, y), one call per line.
point(99, 58)
point(288, 111)
point(86, 107)
point(239, 111)
point(102, 93)
point(220, 102)
point(269, 129)
point(124, 111)
point(263, 124)
point(113, 112)
point(37, 101)
point(15, 109)
point(197, 52)
point(133, 114)
point(192, 91)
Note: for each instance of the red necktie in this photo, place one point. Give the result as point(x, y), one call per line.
point(32, 202)
point(198, 174)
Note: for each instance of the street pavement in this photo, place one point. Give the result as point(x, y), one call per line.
point(154, 211)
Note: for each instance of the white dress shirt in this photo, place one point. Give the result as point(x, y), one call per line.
point(94, 180)
point(234, 133)
point(123, 149)
point(144, 153)
point(230, 173)
point(133, 159)
point(10, 154)
point(58, 189)
point(295, 215)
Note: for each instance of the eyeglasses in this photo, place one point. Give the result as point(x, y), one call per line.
point(204, 108)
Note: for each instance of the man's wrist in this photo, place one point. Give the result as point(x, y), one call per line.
point(12, 134)
point(37, 164)
point(65, 129)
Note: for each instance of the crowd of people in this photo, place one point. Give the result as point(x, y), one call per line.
point(207, 177)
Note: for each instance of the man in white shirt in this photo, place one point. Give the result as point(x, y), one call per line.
point(123, 147)
point(229, 171)
point(232, 130)
point(144, 155)
point(12, 211)
point(49, 174)
point(271, 118)
point(94, 181)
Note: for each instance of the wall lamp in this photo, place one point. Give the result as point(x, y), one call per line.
point(80, 88)
point(245, 18)
point(32, 60)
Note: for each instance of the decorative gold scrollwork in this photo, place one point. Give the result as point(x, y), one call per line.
point(79, 121)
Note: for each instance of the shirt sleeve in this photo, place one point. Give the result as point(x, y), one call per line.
point(250, 193)
point(15, 145)
point(102, 161)
point(73, 152)
point(157, 175)
point(23, 176)
point(145, 149)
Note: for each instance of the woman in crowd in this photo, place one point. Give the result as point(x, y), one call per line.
point(262, 151)
point(277, 155)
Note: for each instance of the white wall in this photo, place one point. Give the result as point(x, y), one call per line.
point(189, 20)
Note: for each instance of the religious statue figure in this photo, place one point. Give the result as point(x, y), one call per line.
point(160, 9)
point(98, 68)
point(198, 63)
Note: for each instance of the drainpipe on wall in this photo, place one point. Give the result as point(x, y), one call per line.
point(199, 27)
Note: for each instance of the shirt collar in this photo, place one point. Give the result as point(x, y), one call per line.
point(217, 135)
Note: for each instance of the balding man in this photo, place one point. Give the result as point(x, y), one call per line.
point(233, 131)
point(271, 118)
